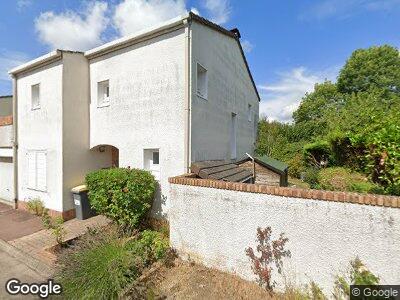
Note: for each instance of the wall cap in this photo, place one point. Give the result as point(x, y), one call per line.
point(345, 197)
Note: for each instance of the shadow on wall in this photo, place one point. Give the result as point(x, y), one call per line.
point(111, 151)
point(158, 203)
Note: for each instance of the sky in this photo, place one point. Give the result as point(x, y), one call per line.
point(290, 45)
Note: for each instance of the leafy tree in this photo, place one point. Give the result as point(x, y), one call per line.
point(375, 67)
point(310, 117)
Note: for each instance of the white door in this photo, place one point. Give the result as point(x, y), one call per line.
point(233, 136)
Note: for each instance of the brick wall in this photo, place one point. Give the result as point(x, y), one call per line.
point(364, 199)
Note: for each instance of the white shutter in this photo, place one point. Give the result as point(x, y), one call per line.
point(31, 169)
point(41, 171)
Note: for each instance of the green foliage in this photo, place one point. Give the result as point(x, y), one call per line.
point(317, 154)
point(358, 274)
point(36, 207)
point(124, 195)
point(311, 177)
point(101, 264)
point(375, 67)
point(342, 179)
point(58, 230)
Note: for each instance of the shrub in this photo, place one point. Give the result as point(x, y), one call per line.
point(36, 207)
point(124, 195)
point(317, 154)
point(358, 274)
point(270, 252)
point(296, 166)
point(101, 264)
point(311, 177)
point(342, 179)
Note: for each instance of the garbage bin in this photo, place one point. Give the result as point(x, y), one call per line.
point(82, 206)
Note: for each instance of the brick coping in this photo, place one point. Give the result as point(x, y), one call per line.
point(345, 197)
point(4, 121)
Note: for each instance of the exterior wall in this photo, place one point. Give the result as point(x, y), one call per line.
point(41, 129)
point(230, 90)
point(146, 108)
point(5, 106)
point(78, 159)
point(6, 179)
point(6, 136)
point(215, 226)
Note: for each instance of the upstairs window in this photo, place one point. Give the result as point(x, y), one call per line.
point(249, 113)
point(202, 88)
point(35, 96)
point(103, 93)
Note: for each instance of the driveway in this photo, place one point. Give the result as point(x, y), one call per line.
point(17, 223)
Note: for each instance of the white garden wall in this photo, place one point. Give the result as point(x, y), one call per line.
point(215, 226)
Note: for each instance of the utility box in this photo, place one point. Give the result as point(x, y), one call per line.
point(82, 205)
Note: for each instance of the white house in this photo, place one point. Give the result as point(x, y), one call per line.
point(159, 100)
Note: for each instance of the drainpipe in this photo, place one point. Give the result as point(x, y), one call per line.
point(188, 77)
point(15, 140)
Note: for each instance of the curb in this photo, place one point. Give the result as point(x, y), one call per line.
point(36, 265)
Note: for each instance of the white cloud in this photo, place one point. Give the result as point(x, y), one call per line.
point(72, 30)
point(281, 99)
point(22, 4)
point(9, 60)
point(247, 46)
point(345, 8)
point(134, 15)
point(219, 10)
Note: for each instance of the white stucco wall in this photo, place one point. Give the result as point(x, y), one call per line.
point(78, 159)
point(216, 226)
point(6, 179)
point(41, 129)
point(146, 104)
point(6, 136)
point(230, 90)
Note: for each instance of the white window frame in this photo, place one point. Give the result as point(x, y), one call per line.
point(205, 71)
point(35, 186)
point(148, 162)
point(103, 93)
point(35, 104)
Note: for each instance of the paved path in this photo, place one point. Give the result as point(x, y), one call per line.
point(17, 223)
point(10, 267)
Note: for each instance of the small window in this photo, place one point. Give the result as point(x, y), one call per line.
point(156, 158)
point(202, 88)
point(35, 96)
point(37, 170)
point(103, 93)
point(249, 112)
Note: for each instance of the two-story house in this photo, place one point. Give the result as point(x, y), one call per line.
point(159, 99)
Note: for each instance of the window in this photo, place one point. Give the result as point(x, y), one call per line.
point(249, 112)
point(37, 170)
point(35, 96)
point(202, 88)
point(103, 93)
point(152, 162)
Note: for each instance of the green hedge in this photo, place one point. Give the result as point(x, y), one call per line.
point(124, 195)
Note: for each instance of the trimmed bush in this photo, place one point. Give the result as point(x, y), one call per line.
point(124, 195)
point(342, 179)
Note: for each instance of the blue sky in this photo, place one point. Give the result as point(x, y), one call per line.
point(290, 45)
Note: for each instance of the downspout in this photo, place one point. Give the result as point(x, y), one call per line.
point(188, 86)
point(15, 140)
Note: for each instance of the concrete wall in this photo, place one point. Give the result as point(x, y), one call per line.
point(229, 91)
point(6, 136)
point(5, 106)
point(215, 226)
point(78, 159)
point(41, 129)
point(146, 108)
